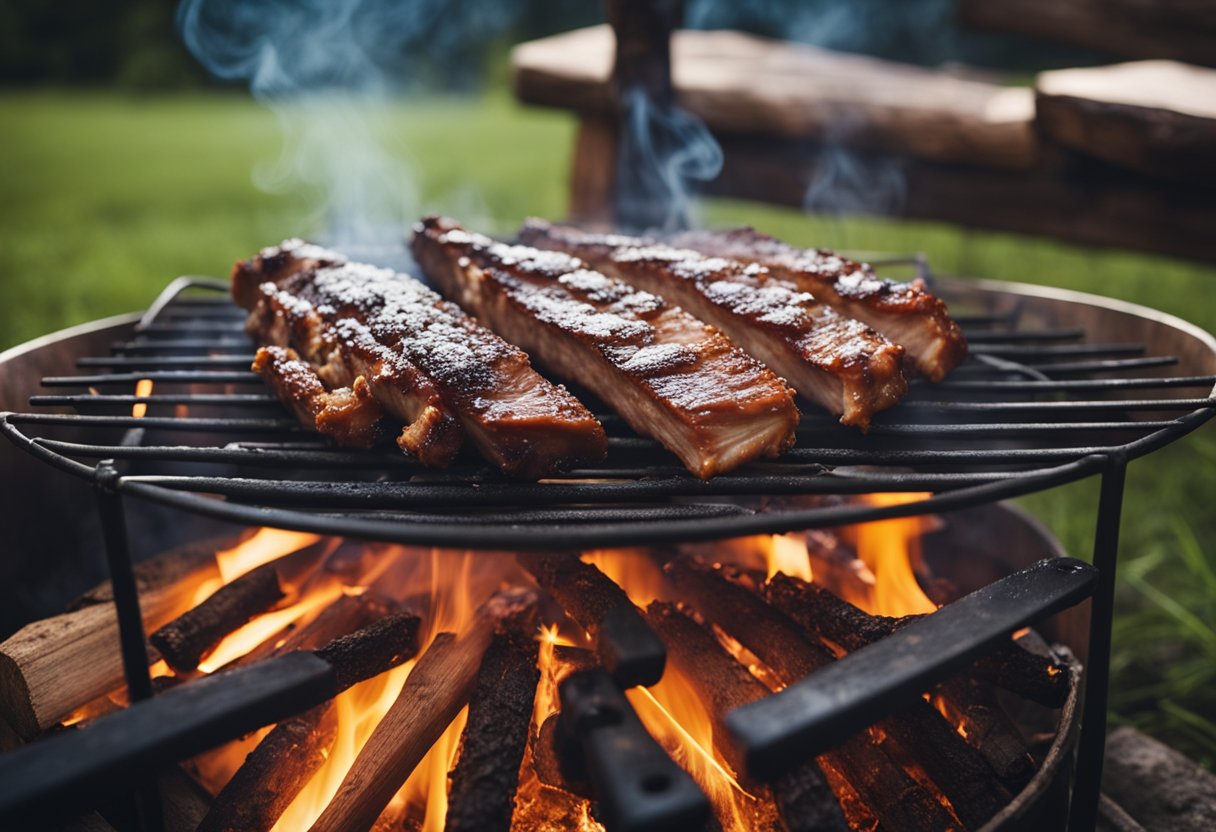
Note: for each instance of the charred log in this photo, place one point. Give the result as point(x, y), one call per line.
point(832, 618)
point(184, 640)
point(803, 797)
point(917, 737)
point(287, 758)
point(437, 688)
point(627, 647)
point(486, 776)
point(274, 773)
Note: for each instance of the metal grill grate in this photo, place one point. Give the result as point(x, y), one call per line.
point(1041, 401)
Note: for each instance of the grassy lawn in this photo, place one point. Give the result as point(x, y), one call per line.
point(103, 198)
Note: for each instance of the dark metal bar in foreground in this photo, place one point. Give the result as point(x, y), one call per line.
point(637, 787)
point(781, 731)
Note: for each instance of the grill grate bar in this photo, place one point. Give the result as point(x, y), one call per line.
point(167, 376)
point(319, 456)
point(1086, 384)
point(159, 347)
point(556, 492)
point(86, 400)
point(1102, 366)
point(154, 362)
point(942, 431)
point(1052, 351)
point(984, 337)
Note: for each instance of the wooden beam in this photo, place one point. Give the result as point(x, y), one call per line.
point(1155, 117)
point(1180, 29)
point(742, 84)
point(1070, 198)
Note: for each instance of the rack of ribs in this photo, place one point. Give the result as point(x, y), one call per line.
point(906, 313)
point(372, 334)
point(668, 374)
point(837, 362)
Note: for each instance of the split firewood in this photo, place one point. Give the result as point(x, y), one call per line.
point(781, 644)
point(484, 782)
point(433, 694)
point(628, 649)
point(287, 758)
point(803, 797)
point(51, 667)
point(830, 617)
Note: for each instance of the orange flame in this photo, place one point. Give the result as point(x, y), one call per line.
point(787, 553)
point(143, 389)
point(889, 548)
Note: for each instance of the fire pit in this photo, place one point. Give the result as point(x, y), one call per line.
point(1060, 387)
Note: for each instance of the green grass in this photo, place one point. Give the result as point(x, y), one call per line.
point(105, 197)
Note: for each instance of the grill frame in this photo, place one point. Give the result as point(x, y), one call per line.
point(111, 481)
point(643, 503)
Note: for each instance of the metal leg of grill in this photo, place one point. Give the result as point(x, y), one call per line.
point(146, 800)
point(1091, 747)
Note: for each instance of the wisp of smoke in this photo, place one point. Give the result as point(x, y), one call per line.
point(665, 152)
point(328, 69)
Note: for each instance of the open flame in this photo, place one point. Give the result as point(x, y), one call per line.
point(446, 587)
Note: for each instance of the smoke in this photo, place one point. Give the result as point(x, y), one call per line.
point(843, 180)
point(665, 153)
point(329, 69)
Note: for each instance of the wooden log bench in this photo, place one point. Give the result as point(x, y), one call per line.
point(963, 149)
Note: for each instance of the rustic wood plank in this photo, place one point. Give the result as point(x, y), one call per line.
point(1157, 117)
point(1082, 201)
point(1179, 29)
point(739, 83)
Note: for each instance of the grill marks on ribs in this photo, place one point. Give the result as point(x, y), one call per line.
point(833, 360)
point(668, 374)
point(906, 313)
point(421, 358)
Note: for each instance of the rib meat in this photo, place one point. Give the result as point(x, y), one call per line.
point(422, 359)
point(349, 415)
point(835, 361)
point(669, 375)
point(906, 313)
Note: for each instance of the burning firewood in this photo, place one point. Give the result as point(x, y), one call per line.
point(486, 776)
point(1017, 670)
point(952, 766)
point(433, 694)
point(51, 667)
point(186, 639)
point(803, 796)
point(987, 728)
point(284, 761)
point(627, 647)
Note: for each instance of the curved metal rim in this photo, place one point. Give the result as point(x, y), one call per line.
point(669, 530)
